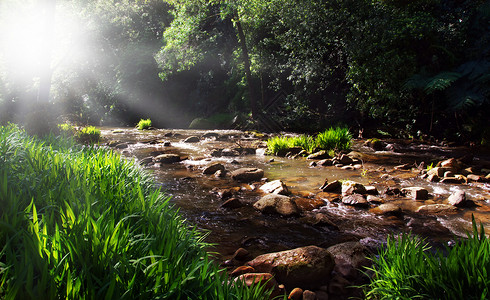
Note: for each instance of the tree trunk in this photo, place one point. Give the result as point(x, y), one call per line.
point(248, 73)
point(49, 7)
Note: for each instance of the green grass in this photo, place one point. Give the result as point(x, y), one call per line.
point(405, 269)
point(89, 135)
point(79, 222)
point(336, 139)
point(144, 124)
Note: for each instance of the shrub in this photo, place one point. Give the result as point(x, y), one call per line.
point(89, 134)
point(405, 269)
point(144, 124)
point(81, 222)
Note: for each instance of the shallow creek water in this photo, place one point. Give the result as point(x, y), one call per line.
point(194, 193)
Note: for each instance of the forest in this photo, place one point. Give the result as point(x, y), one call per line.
point(404, 68)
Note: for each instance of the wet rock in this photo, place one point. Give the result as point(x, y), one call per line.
point(387, 209)
point(439, 171)
point(433, 178)
point(309, 295)
point(452, 180)
point(167, 158)
point(307, 204)
point(220, 173)
point(374, 200)
point(192, 139)
point(458, 199)
point(296, 294)
point(449, 174)
point(371, 190)
point(352, 187)
point(330, 197)
point(305, 267)
point(324, 162)
point(321, 220)
point(242, 270)
point(121, 146)
point(347, 168)
point(334, 186)
point(279, 204)
point(241, 254)
point(232, 203)
point(275, 187)
point(229, 152)
point(211, 169)
point(345, 160)
point(416, 193)
point(321, 295)
point(289, 151)
point(166, 144)
point(313, 164)
point(146, 161)
point(247, 174)
point(322, 154)
point(404, 167)
point(216, 153)
point(436, 209)
point(353, 254)
point(355, 200)
point(375, 144)
point(208, 135)
point(393, 191)
point(476, 178)
point(338, 285)
point(452, 163)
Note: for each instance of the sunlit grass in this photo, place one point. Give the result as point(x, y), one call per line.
point(144, 124)
point(405, 269)
point(336, 139)
point(79, 222)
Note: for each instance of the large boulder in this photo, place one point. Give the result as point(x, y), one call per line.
point(247, 174)
point(350, 257)
point(279, 204)
point(275, 187)
point(305, 267)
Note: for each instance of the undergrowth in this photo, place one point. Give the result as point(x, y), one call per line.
point(335, 138)
point(79, 222)
point(144, 124)
point(405, 269)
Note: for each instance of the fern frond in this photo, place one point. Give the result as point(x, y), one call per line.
point(441, 81)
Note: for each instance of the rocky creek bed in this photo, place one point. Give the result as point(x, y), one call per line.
point(310, 222)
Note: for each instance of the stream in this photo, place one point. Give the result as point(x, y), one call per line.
point(197, 196)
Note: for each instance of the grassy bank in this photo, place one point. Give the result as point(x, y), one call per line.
point(406, 269)
point(80, 222)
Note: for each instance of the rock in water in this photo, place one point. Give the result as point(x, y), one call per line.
point(167, 158)
point(352, 187)
point(416, 193)
point(247, 174)
point(279, 204)
point(275, 187)
point(457, 199)
point(305, 267)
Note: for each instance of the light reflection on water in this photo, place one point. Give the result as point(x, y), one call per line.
point(192, 193)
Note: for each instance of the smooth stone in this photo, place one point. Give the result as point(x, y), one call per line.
point(334, 186)
point(439, 171)
point(416, 193)
point(475, 178)
point(305, 267)
point(345, 160)
point(352, 253)
point(192, 139)
point(436, 209)
point(387, 209)
point(279, 204)
point(458, 198)
point(211, 169)
point(433, 178)
point(404, 167)
point(323, 220)
point(146, 161)
point(355, 200)
point(275, 187)
point(241, 254)
point(371, 190)
point(309, 295)
point(449, 174)
point(307, 204)
point(324, 162)
point(452, 180)
point(374, 199)
point(296, 294)
point(242, 270)
point(247, 174)
point(452, 164)
point(230, 152)
point(322, 154)
point(350, 187)
point(167, 158)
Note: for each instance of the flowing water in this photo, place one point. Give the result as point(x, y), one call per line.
point(196, 196)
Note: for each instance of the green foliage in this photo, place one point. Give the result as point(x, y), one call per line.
point(333, 139)
point(89, 134)
point(144, 124)
point(84, 223)
point(405, 269)
point(338, 138)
